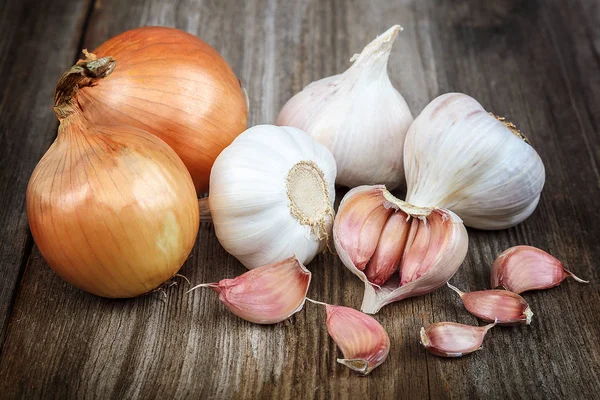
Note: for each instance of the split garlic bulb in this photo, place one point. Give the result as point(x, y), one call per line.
point(358, 115)
point(460, 157)
point(271, 196)
point(396, 249)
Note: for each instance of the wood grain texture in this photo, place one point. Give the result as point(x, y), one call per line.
point(34, 48)
point(537, 63)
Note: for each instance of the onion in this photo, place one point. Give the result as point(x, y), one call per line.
point(112, 208)
point(175, 86)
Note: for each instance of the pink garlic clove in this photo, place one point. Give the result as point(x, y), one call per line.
point(364, 342)
point(504, 307)
point(415, 250)
point(449, 339)
point(265, 295)
point(523, 268)
point(363, 220)
point(388, 253)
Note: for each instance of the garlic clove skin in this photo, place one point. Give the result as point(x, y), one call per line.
point(444, 255)
point(390, 247)
point(449, 339)
point(364, 219)
point(358, 115)
point(504, 307)
point(364, 342)
point(459, 157)
point(523, 268)
point(265, 295)
point(272, 194)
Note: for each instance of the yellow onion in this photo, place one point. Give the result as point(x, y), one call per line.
point(173, 85)
point(112, 208)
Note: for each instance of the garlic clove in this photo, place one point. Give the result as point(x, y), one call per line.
point(444, 254)
point(363, 221)
point(415, 251)
point(265, 295)
point(358, 115)
point(504, 307)
point(364, 342)
point(523, 268)
point(449, 339)
point(384, 262)
point(459, 157)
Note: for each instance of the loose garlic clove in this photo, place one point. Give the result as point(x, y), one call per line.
point(428, 260)
point(504, 307)
point(265, 295)
point(358, 115)
point(364, 342)
point(459, 157)
point(523, 268)
point(272, 194)
point(449, 339)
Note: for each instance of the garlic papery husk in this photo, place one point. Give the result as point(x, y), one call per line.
point(358, 115)
point(460, 157)
point(523, 268)
point(416, 249)
point(265, 295)
point(271, 196)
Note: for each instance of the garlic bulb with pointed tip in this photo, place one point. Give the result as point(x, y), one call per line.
point(460, 157)
point(271, 196)
point(358, 115)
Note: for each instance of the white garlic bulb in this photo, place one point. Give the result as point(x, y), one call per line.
point(460, 157)
point(358, 115)
point(271, 196)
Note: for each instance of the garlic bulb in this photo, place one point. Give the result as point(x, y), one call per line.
point(358, 115)
point(271, 196)
point(460, 157)
point(396, 249)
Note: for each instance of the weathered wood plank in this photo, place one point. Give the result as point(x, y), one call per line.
point(535, 63)
point(34, 48)
point(519, 59)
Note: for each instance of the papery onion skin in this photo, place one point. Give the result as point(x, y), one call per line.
point(175, 86)
point(112, 209)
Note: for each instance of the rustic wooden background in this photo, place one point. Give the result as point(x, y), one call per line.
point(535, 62)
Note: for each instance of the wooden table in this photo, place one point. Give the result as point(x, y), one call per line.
point(535, 62)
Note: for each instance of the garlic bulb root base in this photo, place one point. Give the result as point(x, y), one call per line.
point(308, 197)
